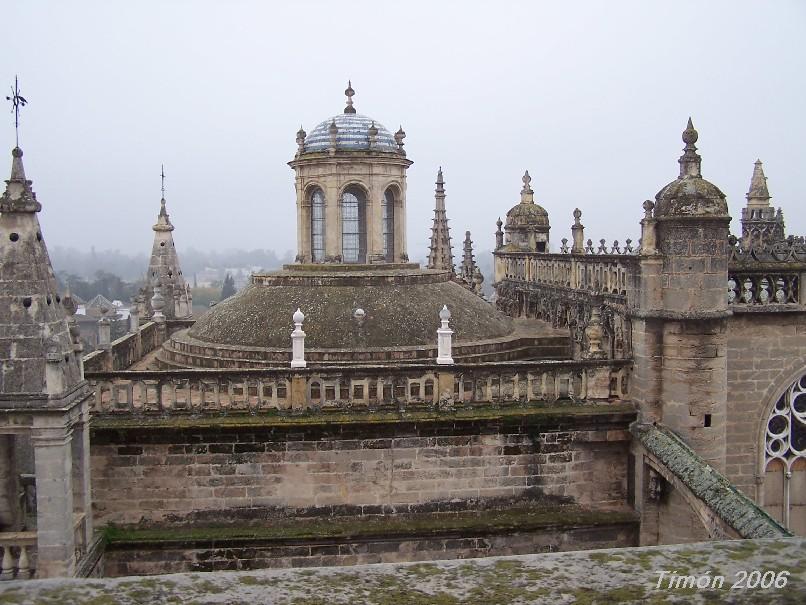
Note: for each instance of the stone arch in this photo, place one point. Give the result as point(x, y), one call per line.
point(309, 188)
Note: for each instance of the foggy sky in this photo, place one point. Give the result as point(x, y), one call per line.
point(590, 97)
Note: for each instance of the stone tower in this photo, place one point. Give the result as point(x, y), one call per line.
point(440, 253)
point(43, 395)
point(351, 191)
point(760, 223)
point(163, 268)
point(679, 328)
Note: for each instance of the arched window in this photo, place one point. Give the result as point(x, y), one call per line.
point(354, 226)
point(785, 459)
point(388, 225)
point(317, 226)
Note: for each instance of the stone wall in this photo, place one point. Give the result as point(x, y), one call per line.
point(766, 353)
point(229, 470)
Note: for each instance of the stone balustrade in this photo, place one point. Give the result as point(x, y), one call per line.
point(19, 548)
point(748, 288)
point(355, 387)
point(595, 272)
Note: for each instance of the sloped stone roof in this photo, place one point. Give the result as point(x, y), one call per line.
point(401, 309)
point(707, 484)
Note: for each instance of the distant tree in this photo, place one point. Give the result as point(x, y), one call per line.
point(228, 289)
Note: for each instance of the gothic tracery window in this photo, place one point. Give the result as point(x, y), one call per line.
point(317, 226)
point(353, 226)
point(785, 459)
point(388, 220)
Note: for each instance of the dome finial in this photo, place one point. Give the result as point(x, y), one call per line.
point(690, 161)
point(527, 195)
point(349, 92)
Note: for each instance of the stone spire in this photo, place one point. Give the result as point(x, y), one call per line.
point(760, 223)
point(690, 161)
point(164, 267)
point(759, 194)
point(39, 358)
point(440, 255)
point(468, 262)
point(470, 272)
point(350, 93)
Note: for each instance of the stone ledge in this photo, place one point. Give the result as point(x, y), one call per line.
point(625, 575)
point(530, 415)
point(420, 525)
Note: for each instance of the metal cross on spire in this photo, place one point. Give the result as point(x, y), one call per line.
point(162, 176)
point(17, 101)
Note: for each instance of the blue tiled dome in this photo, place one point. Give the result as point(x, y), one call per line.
point(353, 133)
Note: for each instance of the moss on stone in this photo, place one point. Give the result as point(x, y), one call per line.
point(520, 518)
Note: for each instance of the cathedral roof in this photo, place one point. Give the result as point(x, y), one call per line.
point(352, 134)
point(690, 194)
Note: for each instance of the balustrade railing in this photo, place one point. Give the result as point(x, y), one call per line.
point(761, 288)
point(603, 273)
point(19, 550)
point(354, 387)
point(768, 274)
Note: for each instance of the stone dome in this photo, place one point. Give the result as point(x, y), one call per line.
point(401, 309)
point(527, 215)
point(690, 195)
point(352, 134)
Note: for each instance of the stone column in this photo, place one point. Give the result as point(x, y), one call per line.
point(332, 219)
point(104, 332)
point(374, 222)
point(401, 252)
point(578, 234)
point(51, 440)
point(82, 492)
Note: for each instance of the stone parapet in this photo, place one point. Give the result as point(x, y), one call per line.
point(357, 387)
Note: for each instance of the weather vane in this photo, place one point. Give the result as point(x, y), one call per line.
point(162, 174)
point(17, 101)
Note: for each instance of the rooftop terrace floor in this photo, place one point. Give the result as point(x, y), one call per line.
point(628, 575)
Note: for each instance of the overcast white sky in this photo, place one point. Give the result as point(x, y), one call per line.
point(591, 97)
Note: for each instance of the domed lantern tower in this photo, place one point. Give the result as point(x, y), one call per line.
point(351, 191)
point(361, 297)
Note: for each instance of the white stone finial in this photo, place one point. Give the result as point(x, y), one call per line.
point(445, 313)
point(444, 338)
point(298, 341)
